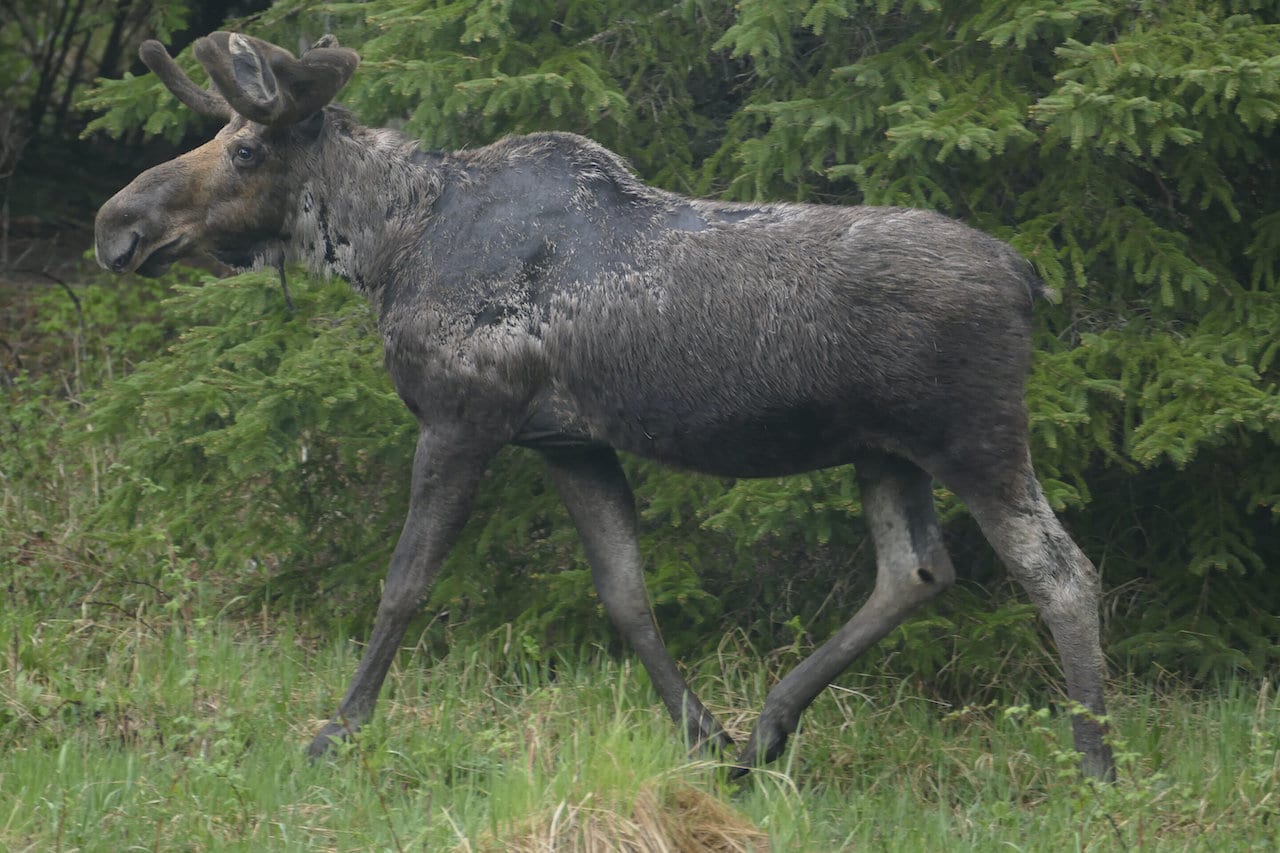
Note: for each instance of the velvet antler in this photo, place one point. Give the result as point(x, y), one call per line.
point(268, 84)
point(204, 102)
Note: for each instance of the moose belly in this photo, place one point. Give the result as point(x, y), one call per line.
point(766, 443)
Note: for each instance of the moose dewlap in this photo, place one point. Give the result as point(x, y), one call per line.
point(535, 292)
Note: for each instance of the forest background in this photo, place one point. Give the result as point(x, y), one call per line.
point(190, 446)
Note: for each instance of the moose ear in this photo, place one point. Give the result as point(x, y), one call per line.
point(253, 76)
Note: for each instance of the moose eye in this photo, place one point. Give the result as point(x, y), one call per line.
point(244, 155)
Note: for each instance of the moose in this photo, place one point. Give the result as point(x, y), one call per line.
point(535, 292)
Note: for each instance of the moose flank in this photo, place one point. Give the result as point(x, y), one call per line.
point(535, 292)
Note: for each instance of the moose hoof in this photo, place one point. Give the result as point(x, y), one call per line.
point(329, 737)
point(767, 743)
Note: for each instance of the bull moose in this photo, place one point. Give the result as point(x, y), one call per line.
point(535, 292)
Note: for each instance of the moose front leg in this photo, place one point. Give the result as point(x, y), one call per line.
point(445, 474)
point(594, 488)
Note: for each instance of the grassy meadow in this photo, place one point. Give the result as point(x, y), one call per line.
point(164, 731)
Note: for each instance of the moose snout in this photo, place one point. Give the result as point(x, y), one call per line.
point(117, 250)
point(118, 232)
point(140, 228)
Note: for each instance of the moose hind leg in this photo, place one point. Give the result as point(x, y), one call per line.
point(912, 567)
point(1019, 523)
point(594, 488)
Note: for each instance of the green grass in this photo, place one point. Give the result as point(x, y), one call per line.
point(170, 732)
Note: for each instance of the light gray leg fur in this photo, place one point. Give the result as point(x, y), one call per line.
point(1064, 585)
point(594, 488)
point(911, 567)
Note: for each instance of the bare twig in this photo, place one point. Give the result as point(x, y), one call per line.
point(75, 300)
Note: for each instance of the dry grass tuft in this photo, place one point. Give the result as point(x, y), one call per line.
point(679, 820)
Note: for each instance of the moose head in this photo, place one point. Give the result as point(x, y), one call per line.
point(230, 197)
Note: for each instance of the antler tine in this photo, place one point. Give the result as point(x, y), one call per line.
point(268, 84)
point(327, 67)
point(204, 102)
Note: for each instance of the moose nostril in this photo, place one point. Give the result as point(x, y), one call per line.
point(119, 262)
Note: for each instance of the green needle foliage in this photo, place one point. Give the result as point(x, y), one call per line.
point(1127, 149)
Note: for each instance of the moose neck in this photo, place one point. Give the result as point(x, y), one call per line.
point(369, 196)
